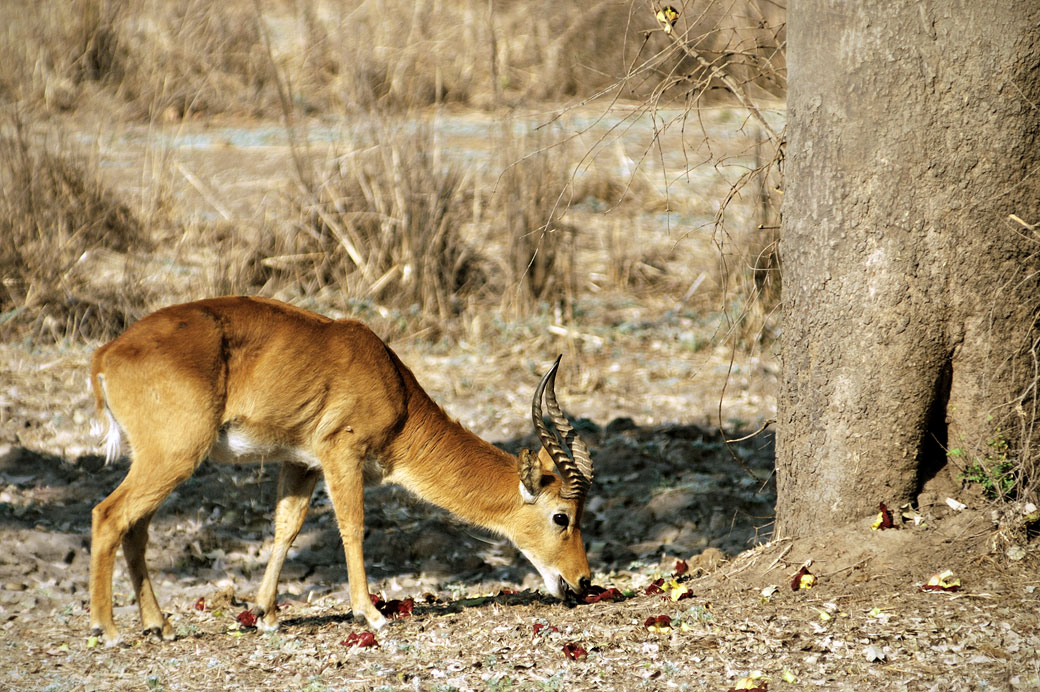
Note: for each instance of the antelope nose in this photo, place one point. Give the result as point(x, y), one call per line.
point(583, 585)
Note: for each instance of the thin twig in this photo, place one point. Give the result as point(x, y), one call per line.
point(780, 557)
point(716, 71)
point(749, 436)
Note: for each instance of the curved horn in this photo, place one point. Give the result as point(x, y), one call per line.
point(576, 471)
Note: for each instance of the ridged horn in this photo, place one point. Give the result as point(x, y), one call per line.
point(572, 457)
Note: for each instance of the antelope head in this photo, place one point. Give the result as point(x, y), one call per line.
point(548, 531)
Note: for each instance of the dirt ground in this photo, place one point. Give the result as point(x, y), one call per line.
point(648, 383)
point(663, 493)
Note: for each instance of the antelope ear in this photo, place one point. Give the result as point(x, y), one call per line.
point(530, 471)
point(546, 462)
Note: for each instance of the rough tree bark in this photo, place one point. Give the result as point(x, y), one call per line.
point(910, 299)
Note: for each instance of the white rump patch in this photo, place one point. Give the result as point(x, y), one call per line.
point(235, 445)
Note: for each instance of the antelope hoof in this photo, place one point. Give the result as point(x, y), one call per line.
point(110, 640)
point(163, 632)
point(266, 622)
point(373, 619)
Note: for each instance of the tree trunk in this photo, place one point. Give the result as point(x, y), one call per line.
point(910, 298)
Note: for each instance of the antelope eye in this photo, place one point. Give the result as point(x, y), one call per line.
point(560, 519)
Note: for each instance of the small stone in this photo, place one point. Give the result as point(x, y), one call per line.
point(705, 562)
point(671, 504)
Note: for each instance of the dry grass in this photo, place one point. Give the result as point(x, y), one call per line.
point(530, 196)
point(383, 224)
point(185, 58)
point(169, 60)
point(388, 225)
point(54, 211)
point(384, 221)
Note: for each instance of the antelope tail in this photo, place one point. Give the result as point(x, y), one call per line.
point(104, 423)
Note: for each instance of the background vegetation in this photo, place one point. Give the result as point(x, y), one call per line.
point(385, 221)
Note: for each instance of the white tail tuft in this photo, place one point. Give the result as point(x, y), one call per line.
point(113, 438)
point(114, 435)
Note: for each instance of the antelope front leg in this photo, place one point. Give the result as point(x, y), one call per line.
point(345, 482)
point(295, 487)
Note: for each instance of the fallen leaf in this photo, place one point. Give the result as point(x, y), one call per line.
point(874, 653)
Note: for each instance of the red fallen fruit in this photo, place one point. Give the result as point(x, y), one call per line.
point(804, 579)
point(944, 581)
point(658, 621)
point(538, 627)
point(200, 604)
point(360, 639)
point(574, 652)
point(595, 594)
point(681, 568)
point(395, 608)
point(887, 522)
point(884, 519)
point(936, 587)
point(247, 618)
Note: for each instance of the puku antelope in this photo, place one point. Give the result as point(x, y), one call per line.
point(241, 379)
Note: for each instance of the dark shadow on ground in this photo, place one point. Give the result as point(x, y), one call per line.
point(659, 493)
